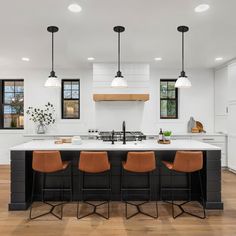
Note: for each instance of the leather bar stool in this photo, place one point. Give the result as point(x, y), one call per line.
point(94, 163)
point(185, 162)
point(138, 162)
point(48, 162)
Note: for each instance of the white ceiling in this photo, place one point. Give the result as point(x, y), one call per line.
point(150, 32)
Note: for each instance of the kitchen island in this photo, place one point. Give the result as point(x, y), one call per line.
point(21, 170)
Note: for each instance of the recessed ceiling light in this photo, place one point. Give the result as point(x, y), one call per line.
point(202, 8)
point(218, 58)
point(74, 8)
point(25, 59)
point(91, 58)
point(158, 59)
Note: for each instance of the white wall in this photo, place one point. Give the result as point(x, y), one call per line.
point(231, 125)
point(197, 102)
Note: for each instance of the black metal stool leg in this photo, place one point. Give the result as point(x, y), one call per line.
point(95, 206)
point(82, 195)
point(180, 206)
point(202, 196)
point(71, 182)
point(43, 186)
point(51, 211)
point(139, 210)
point(109, 196)
point(32, 195)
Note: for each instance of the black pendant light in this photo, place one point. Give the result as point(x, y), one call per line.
point(183, 81)
point(119, 80)
point(52, 80)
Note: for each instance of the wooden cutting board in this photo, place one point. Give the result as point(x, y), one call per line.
point(163, 141)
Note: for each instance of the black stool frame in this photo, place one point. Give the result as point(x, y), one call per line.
point(43, 189)
point(95, 206)
point(189, 189)
point(137, 205)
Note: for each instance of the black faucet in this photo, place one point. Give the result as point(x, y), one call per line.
point(112, 137)
point(123, 129)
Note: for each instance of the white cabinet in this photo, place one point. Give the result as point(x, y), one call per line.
point(232, 82)
point(231, 119)
point(219, 141)
point(216, 140)
point(221, 87)
point(231, 152)
point(221, 99)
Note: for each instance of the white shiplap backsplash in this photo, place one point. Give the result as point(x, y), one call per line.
point(137, 75)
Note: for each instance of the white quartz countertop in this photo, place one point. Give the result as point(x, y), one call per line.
point(94, 134)
point(118, 146)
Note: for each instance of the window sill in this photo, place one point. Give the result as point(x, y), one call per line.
point(12, 131)
point(170, 121)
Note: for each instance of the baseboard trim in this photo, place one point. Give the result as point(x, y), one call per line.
point(231, 170)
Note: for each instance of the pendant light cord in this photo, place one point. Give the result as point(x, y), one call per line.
point(182, 51)
point(52, 51)
point(118, 51)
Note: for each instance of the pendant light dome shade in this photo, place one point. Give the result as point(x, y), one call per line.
point(183, 81)
point(119, 81)
point(52, 80)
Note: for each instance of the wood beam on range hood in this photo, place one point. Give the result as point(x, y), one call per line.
point(120, 97)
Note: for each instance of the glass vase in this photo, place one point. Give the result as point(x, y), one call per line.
point(41, 128)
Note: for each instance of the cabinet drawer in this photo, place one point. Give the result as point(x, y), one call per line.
point(174, 137)
point(222, 146)
point(210, 139)
point(224, 160)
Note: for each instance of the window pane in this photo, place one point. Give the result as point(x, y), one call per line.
point(171, 85)
point(169, 99)
point(75, 85)
point(171, 93)
point(75, 94)
point(9, 86)
point(8, 97)
point(19, 97)
point(71, 109)
point(67, 85)
point(13, 104)
point(163, 89)
point(19, 86)
point(7, 121)
point(164, 108)
point(171, 108)
point(67, 94)
point(7, 109)
point(12, 119)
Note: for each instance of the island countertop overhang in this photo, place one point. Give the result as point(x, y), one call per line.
point(97, 145)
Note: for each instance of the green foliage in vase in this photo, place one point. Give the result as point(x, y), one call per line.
point(43, 116)
point(167, 133)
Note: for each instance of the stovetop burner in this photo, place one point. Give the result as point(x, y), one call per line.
point(118, 135)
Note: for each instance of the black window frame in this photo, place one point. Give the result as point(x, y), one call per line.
point(2, 104)
point(174, 99)
point(71, 99)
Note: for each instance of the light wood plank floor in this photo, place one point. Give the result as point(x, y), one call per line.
point(217, 222)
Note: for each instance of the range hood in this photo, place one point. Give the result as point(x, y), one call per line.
point(120, 97)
